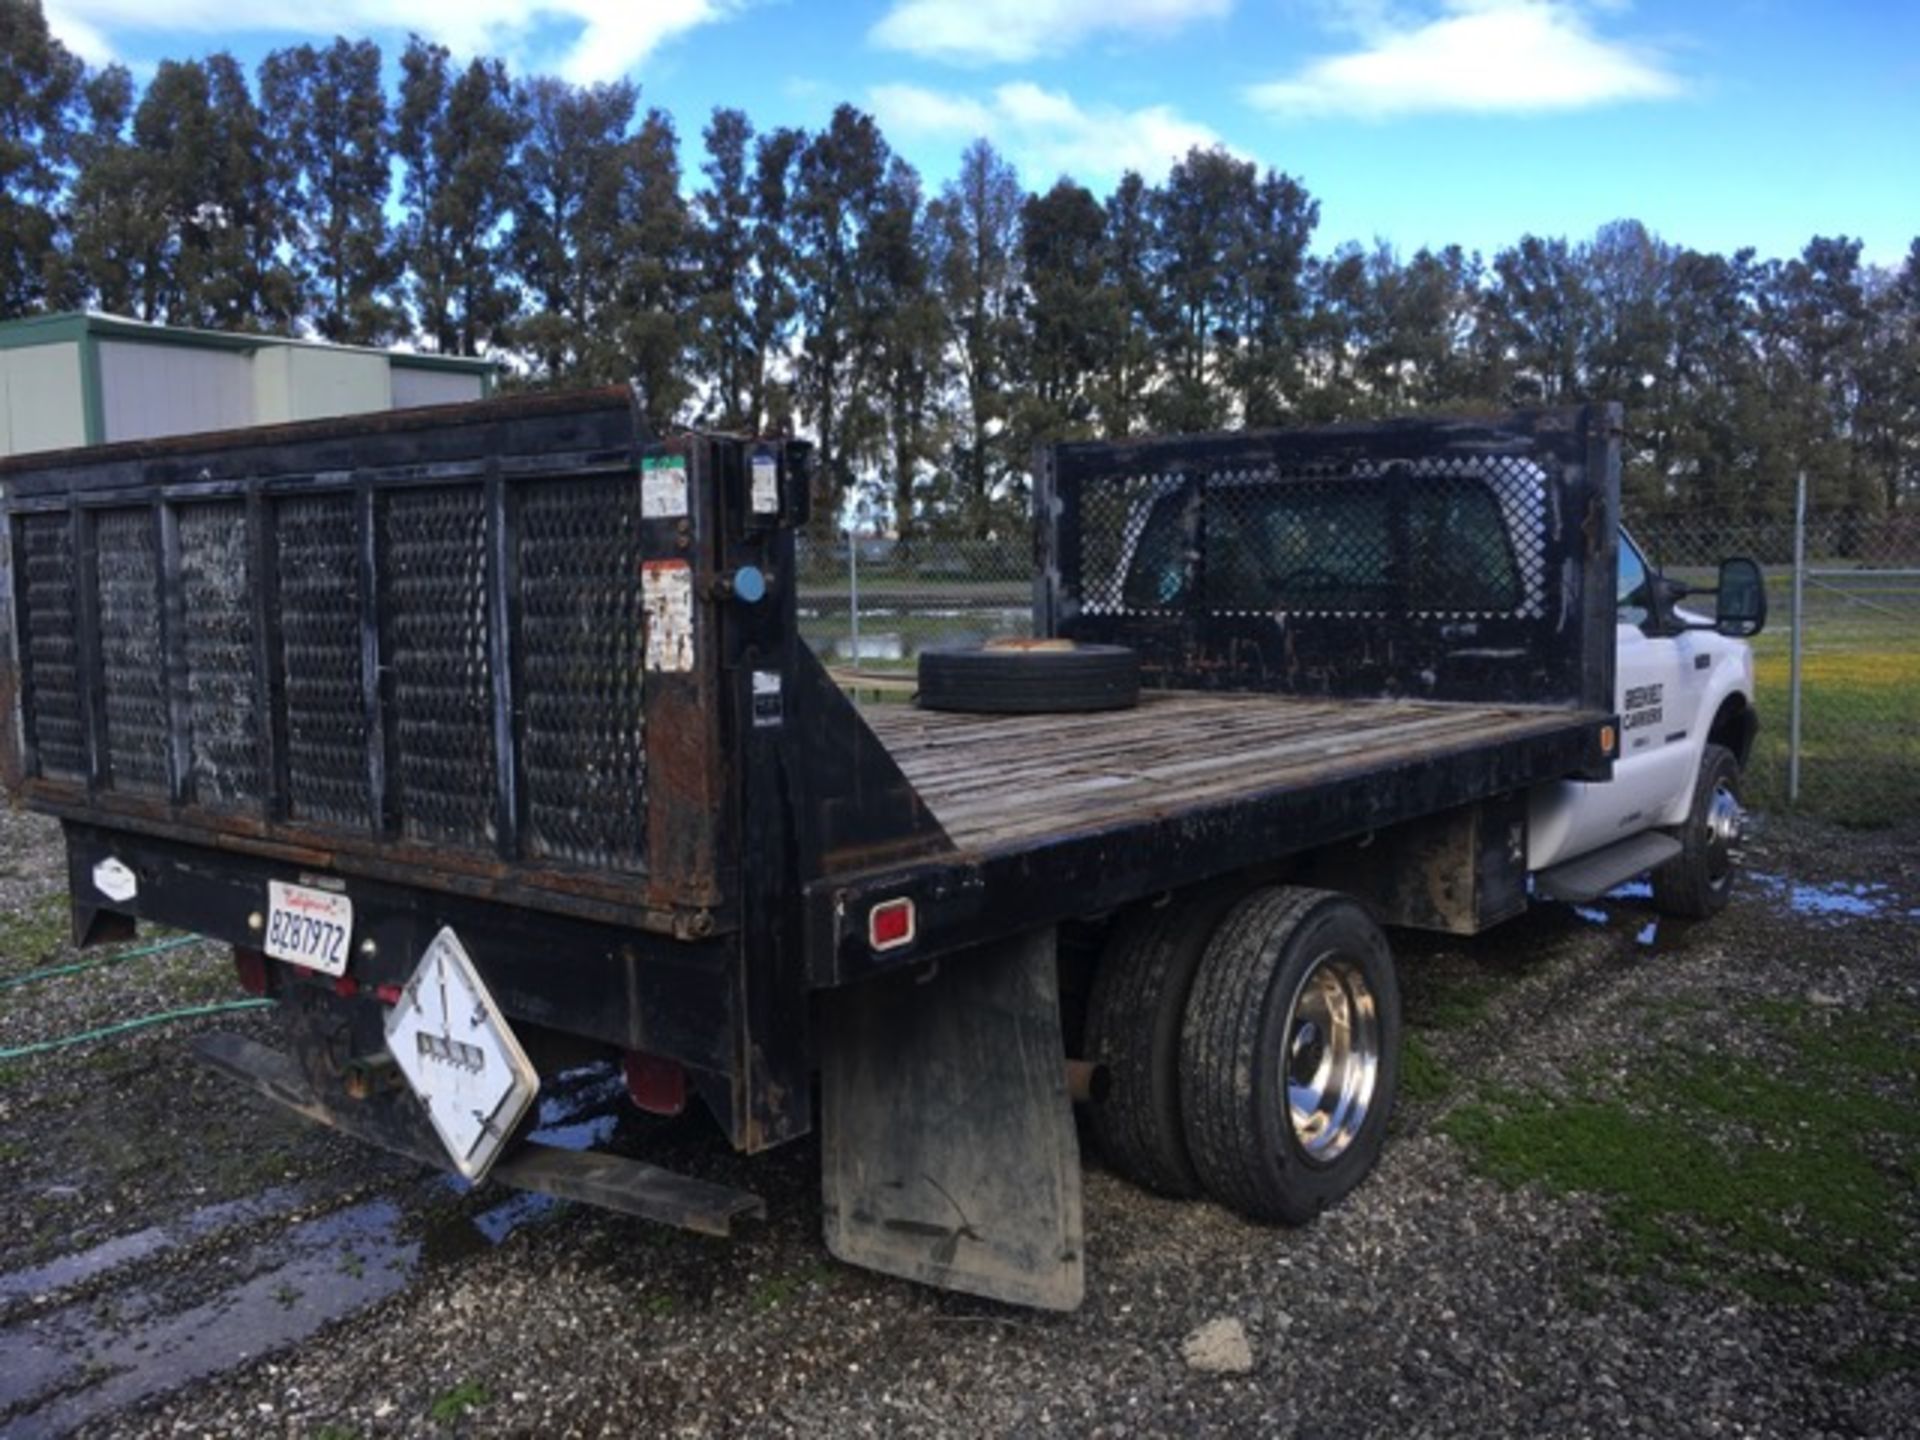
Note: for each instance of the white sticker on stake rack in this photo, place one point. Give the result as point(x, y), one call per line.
point(666, 589)
point(663, 487)
point(766, 698)
point(766, 485)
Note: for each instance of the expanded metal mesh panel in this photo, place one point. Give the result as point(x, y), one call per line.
point(49, 627)
point(132, 665)
point(317, 570)
point(1425, 538)
point(1134, 534)
point(578, 557)
point(434, 573)
point(1477, 538)
point(216, 583)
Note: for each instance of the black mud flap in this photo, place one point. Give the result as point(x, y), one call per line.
point(948, 1153)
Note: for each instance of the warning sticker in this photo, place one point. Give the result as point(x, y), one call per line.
point(766, 697)
point(666, 590)
point(766, 485)
point(663, 487)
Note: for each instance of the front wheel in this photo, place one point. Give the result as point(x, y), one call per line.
point(1290, 1053)
point(1697, 881)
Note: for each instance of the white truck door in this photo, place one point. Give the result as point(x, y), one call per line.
point(1656, 763)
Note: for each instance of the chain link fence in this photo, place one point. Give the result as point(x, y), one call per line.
point(1838, 668)
point(1847, 748)
point(872, 603)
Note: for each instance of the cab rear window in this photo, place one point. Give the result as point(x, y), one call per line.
point(1439, 543)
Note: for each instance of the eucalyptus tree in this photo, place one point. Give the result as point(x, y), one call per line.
point(328, 128)
point(456, 136)
point(41, 96)
point(573, 165)
point(1070, 318)
point(973, 235)
point(839, 189)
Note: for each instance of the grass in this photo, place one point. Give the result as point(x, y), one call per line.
point(1781, 1175)
point(1860, 710)
point(34, 936)
point(1423, 1077)
point(1865, 1364)
point(777, 1290)
point(1457, 1002)
point(467, 1395)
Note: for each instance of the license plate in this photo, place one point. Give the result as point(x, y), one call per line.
point(309, 927)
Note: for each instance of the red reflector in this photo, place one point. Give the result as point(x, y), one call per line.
point(655, 1084)
point(890, 924)
point(251, 967)
point(388, 994)
point(345, 986)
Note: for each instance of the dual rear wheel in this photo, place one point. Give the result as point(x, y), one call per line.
point(1252, 1047)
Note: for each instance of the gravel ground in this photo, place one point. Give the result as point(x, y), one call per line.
point(180, 1260)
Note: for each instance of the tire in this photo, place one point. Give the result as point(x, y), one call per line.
point(1278, 974)
point(1134, 1014)
point(1035, 677)
point(1697, 882)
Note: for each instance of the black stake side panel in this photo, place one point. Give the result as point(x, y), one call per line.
point(1347, 561)
point(411, 645)
point(973, 897)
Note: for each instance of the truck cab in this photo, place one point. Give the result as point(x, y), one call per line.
point(1684, 694)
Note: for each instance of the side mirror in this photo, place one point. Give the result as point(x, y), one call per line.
point(1741, 607)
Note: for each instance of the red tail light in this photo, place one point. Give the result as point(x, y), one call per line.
point(251, 968)
point(891, 924)
point(656, 1084)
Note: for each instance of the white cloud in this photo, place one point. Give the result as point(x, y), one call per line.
point(1484, 56)
point(911, 110)
point(610, 37)
point(1045, 132)
point(82, 38)
point(988, 31)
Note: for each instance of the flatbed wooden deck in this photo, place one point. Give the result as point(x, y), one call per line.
point(1002, 782)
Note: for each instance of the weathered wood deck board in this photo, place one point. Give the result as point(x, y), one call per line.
point(996, 781)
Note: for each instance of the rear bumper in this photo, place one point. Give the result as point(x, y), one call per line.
point(611, 1182)
point(629, 990)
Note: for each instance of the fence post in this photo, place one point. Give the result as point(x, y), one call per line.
point(1799, 617)
point(853, 596)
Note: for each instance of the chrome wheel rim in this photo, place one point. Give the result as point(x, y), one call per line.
point(1330, 1056)
point(1725, 819)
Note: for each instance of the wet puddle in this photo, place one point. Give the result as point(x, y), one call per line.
point(64, 1366)
point(222, 1301)
point(1834, 903)
point(1627, 906)
point(70, 1270)
point(577, 1110)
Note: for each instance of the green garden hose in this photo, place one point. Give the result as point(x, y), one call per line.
point(97, 961)
point(139, 1022)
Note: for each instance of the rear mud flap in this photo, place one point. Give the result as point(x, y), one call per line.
point(948, 1152)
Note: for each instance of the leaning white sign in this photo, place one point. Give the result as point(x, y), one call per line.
point(460, 1056)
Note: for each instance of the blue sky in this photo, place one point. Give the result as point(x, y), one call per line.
point(1748, 122)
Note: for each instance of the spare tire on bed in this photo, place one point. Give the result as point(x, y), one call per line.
point(1029, 677)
